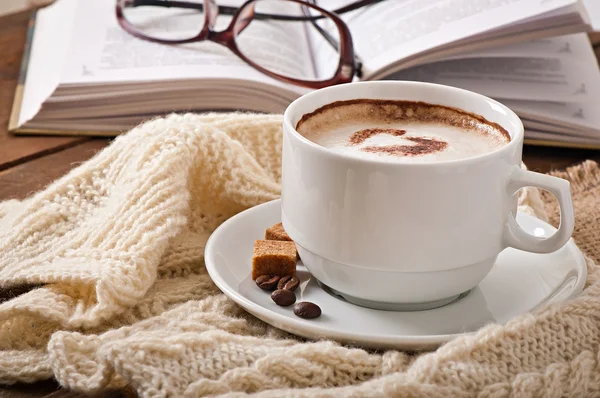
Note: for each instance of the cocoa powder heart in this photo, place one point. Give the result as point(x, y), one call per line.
point(424, 145)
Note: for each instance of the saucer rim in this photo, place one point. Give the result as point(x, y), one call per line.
point(308, 329)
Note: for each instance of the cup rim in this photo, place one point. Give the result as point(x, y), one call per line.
point(515, 139)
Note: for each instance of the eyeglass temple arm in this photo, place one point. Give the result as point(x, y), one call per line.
point(232, 10)
point(178, 4)
point(355, 6)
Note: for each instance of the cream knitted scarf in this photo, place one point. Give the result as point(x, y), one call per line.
point(113, 254)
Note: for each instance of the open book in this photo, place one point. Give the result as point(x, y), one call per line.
point(83, 74)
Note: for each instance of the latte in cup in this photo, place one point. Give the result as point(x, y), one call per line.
point(401, 131)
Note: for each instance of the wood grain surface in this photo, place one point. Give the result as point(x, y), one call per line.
point(14, 150)
point(27, 164)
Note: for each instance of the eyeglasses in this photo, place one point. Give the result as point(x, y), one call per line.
point(294, 41)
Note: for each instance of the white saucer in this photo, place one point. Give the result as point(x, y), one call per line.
point(519, 282)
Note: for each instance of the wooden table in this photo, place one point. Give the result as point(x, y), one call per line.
point(27, 164)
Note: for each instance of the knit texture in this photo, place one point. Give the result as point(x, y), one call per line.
point(107, 287)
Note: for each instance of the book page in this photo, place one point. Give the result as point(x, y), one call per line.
point(47, 54)
point(102, 52)
point(555, 138)
point(574, 46)
point(578, 115)
point(393, 30)
point(550, 73)
point(558, 128)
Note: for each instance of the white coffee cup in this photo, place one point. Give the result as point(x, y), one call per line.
point(408, 235)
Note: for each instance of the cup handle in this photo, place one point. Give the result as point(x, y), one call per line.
point(515, 236)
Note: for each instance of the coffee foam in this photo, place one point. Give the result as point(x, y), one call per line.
point(403, 131)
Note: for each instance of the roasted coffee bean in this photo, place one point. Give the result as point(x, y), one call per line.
point(283, 297)
point(267, 282)
point(288, 282)
point(307, 310)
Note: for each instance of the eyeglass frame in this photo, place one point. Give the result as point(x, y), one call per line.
point(347, 67)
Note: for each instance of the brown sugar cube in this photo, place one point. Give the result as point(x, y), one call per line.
point(273, 257)
point(276, 232)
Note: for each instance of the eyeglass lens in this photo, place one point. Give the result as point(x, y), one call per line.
point(167, 23)
point(262, 40)
point(290, 48)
